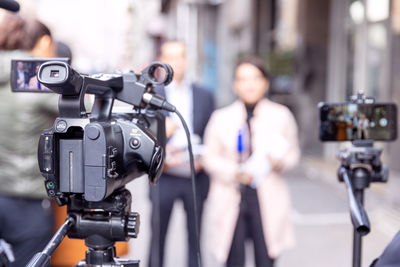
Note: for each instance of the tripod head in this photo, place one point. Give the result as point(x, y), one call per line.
point(101, 224)
point(359, 166)
point(363, 157)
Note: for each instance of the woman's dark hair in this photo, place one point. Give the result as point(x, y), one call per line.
point(63, 50)
point(256, 62)
point(20, 33)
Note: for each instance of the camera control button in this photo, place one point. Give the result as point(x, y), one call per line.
point(61, 126)
point(134, 143)
point(92, 132)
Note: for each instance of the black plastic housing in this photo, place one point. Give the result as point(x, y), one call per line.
point(94, 155)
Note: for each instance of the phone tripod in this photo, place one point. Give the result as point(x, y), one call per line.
point(360, 165)
point(101, 224)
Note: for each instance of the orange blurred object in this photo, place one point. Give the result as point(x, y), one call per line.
point(71, 251)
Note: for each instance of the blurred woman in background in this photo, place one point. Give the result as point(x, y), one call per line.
point(249, 143)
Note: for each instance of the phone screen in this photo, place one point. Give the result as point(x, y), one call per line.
point(24, 75)
point(351, 121)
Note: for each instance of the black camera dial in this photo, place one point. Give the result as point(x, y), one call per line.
point(134, 142)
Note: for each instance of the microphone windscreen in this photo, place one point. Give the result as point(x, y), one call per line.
point(9, 5)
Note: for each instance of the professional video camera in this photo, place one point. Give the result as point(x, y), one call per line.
point(361, 121)
point(97, 154)
point(88, 158)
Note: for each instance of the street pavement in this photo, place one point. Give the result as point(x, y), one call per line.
point(321, 216)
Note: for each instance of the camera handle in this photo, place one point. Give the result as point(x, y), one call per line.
point(360, 165)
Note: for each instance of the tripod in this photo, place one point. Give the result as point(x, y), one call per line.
point(360, 165)
point(101, 224)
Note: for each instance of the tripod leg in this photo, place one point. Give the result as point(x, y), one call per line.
point(357, 242)
point(43, 258)
point(357, 246)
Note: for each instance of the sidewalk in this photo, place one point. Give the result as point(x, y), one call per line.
point(320, 213)
point(322, 219)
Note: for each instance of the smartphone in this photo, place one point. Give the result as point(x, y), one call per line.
point(351, 121)
point(23, 74)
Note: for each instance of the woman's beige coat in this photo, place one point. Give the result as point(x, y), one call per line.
point(221, 161)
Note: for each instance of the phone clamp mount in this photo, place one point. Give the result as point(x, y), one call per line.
point(360, 98)
point(360, 166)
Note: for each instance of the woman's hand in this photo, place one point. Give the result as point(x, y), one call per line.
point(176, 157)
point(276, 164)
point(243, 177)
point(173, 157)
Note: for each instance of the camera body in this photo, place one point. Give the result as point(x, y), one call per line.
point(77, 156)
point(92, 155)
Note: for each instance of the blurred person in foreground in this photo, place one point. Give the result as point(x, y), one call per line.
point(26, 219)
point(248, 145)
point(196, 105)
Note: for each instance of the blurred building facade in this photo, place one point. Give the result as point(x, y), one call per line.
point(317, 50)
point(290, 35)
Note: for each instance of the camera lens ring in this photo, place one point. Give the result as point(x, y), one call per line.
point(149, 73)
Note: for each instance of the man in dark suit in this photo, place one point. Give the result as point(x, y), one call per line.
point(22, 76)
point(196, 105)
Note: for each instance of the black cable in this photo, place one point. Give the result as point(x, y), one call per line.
point(192, 171)
point(161, 102)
